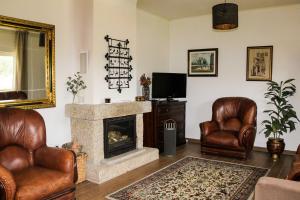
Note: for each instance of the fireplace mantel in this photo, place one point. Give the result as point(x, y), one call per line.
point(87, 128)
point(102, 111)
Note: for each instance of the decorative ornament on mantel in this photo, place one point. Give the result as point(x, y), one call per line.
point(225, 16)
point(118, 66)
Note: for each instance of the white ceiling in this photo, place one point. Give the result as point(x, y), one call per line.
point(175, 9)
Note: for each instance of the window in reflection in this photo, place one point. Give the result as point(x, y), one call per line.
point(7, 71)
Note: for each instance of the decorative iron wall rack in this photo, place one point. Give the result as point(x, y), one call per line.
point(118, 66)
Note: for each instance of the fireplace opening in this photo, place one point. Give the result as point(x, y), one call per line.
point(119, 135)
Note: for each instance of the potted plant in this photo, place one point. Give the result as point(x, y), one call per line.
point(75, 84)
point(282, 116)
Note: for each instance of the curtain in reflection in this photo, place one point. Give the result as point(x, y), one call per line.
point(21, 61)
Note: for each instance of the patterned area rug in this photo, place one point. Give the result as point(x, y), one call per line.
point(195, 178)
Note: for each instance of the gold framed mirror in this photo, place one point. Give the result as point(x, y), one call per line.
point(27, 64)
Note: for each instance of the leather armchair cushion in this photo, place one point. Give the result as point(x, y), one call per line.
point(227, 139)
point(14, 158)
point(233, 124)
point(35, 183)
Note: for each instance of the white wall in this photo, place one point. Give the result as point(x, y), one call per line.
point(117, 19)
point(152, 45)
point(272, 26)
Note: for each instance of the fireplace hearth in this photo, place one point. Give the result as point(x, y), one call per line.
point(119, 135)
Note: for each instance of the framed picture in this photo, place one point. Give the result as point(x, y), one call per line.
point(259, 63)
point(203, 62)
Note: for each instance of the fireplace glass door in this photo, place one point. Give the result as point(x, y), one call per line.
point(119, 135)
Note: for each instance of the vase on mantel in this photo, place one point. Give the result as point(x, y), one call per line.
point(146, 92)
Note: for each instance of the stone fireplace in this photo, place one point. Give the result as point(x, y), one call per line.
point(119, 151)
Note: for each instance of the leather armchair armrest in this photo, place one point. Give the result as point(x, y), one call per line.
point(7, 184)
point(268, 188)
point(298, 150)
point(208, 127)
point(247, 136)
point(55, 158)
point(294, 173)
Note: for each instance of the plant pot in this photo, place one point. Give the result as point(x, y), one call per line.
point(275, 147)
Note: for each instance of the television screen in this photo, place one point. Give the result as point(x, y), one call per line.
point(168, 85)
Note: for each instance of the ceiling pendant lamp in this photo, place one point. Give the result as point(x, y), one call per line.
point(225, 16)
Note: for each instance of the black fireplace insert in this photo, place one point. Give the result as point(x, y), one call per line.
point(119, 135)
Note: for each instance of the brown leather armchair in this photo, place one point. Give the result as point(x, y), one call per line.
point(232, 130)
point(29, 170)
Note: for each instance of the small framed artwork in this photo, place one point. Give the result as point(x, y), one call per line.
point(203, 62)
point(259, 63)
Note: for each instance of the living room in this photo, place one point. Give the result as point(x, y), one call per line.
point(160, 35)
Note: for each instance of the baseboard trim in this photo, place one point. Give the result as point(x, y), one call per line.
point(259, 149)
point(191, 140)
point(264, 149)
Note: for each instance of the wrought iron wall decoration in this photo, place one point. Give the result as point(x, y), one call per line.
point(118, 66)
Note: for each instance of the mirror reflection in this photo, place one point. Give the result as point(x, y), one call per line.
point(22, 64)
point(27, 67)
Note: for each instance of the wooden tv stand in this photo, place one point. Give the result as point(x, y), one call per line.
point(153, 123)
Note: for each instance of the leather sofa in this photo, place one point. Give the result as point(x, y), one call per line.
point(29, 170)
point(232, 129)
point(269, 188)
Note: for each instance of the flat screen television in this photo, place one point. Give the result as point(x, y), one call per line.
point(168, 85)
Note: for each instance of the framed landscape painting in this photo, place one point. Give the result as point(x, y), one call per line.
point(259, 63)
point(203, 62)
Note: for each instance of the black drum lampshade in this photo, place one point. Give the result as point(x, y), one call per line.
point(225, 16)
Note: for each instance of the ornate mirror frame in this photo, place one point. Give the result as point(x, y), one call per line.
point(49, 62)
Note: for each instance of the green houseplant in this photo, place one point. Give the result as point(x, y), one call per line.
point(75, 84)
point(282, 116)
